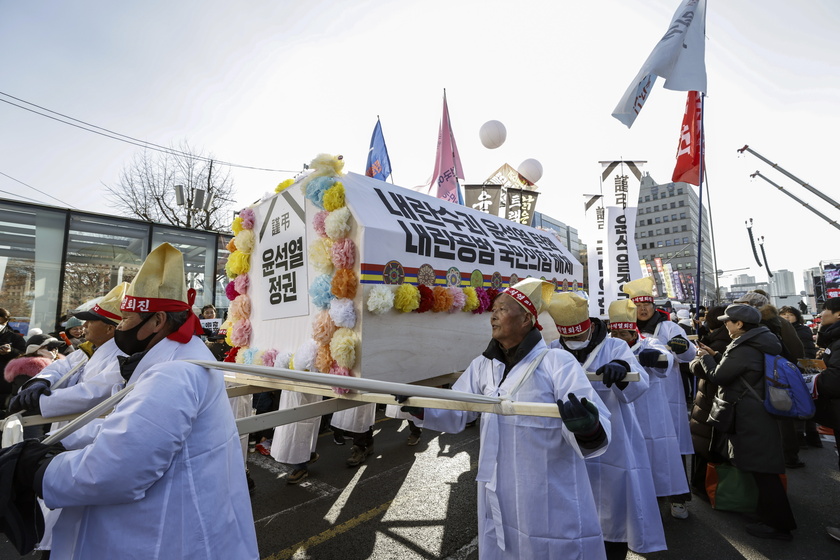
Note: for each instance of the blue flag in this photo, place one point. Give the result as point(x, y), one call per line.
point(378, 164)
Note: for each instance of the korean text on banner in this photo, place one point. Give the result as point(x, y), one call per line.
point(621, 259)
point(281, 280)
point(595, 215)
point(689, 150)
point(679, 57)
point(447, 163)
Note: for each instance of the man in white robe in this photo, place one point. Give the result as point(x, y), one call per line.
point(534, 497)
point(658, 325)
point(621, 477)
point(163, 478)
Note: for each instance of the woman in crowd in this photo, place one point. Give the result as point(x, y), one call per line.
point(794, 316)
point(752, 442)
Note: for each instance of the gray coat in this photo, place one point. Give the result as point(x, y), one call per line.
point(756, 445)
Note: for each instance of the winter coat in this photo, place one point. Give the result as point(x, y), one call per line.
point(792, 348)
point(701, 433)
point(19, 370)
point(828, 382)
point(18, 344)
point(756, 445)
point(806, 336)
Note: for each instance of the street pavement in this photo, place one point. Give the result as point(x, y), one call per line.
point(419, 502)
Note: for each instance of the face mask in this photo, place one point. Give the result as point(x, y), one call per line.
point(575, 344)
point(127, 340)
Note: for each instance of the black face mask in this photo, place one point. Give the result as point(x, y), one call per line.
point(127, 340)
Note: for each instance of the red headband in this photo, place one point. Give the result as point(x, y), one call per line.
point(526, 303)
point(642, 299)
point(623, 326)
point(105, 313)
point(572, 330)
point(152, 305)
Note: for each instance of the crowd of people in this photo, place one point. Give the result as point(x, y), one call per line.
point(624, 439)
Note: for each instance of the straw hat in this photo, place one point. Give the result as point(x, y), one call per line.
point(570, 313)
point(532, 294)
point(106, 309)
point(641, 290)
point(623, 315)
point(160, 285)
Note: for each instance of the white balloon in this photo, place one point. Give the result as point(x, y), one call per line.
point(531, 169)
point(492, 134)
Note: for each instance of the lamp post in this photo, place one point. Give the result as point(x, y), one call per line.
point(194, 200)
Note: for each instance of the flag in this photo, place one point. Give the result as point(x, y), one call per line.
point(679, 57)
point(378, 164)
point(689, 149)
point(447, 163)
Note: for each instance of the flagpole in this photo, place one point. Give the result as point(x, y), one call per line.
point(699, 284)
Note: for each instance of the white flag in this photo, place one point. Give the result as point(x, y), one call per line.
point(679, 57)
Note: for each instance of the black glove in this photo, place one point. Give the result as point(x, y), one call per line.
point(649, 357)
point(33, 456)
point(579, 416)
point(678, 344)
point(612, 372)
point(415, 411)
point(29, 397)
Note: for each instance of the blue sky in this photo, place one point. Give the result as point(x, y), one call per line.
point(272, 84)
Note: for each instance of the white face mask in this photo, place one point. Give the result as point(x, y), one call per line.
point(575, 344)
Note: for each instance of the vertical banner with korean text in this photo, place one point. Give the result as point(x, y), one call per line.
point(484, 198)
point(520, 205)
point(280, 264)
point(621, 199)
point(594, 219)
point(669, 281)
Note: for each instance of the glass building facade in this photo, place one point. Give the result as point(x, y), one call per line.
point(52, 260)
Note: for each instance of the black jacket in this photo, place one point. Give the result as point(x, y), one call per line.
point(18, 344)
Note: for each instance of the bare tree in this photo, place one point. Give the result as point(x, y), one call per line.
point(147, 189)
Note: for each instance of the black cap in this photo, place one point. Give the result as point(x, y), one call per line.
point(741, 312)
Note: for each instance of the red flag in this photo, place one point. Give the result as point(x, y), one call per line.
point(447, 163)
point(687, 169)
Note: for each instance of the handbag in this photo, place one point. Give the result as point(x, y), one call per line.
point(731, 489)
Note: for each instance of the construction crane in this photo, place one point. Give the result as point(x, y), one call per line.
point(797, 199)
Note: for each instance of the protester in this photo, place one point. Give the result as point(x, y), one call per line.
point(164, 476)
point(655, 324)
point(827, 383)
point(534, 496)
point(621, 477)
point(806, 336)
point(717, 338)
point(652, 406)
point(12, 345)
point(752, 441)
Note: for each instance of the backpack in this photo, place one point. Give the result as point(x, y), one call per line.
point(786, 393)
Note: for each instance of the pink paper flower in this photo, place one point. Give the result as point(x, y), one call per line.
point(241, 335)
point(318, 223)
point(343, 253)
point(242, 282)
point(248, 217)
point(269, 356)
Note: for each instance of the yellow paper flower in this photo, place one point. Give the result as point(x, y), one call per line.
point(240, 356)
point(238, 263)
point(244, 241)
point(472, 299)
point(284, 185)
point(343, 347)
point(407, 298)
point(319, 255)
point(236, 226)
point(334, 197)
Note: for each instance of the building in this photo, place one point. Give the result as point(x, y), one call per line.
point(783, 289)
point(666, 238)
point(567, 234)
point(742, 284)
point(810, 278)
point(54, 259)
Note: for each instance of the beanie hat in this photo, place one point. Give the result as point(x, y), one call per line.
point(160, 285)
point(106, 309)
point(73, 322)
point(753, 298)
point(640, 290)
point(533, 294)
point(570, 313)
point(38, 341)
point(623, 315)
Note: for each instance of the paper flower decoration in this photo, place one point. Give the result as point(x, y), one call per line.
point(283, 360)
point(323, 327)
point(317, 188)
point(248, 356)
point(334, 197)
point(284, 185)
point(238, 263)
point(492, 293)
point(324, 164)
point(343, 253)
point(380, 299)
point(231, 246)
point(442, 299)
point(236, 225)
point(230, 357)
point(344, 283)
point(407, 298)
point(240, 308)
point(458, 298)
point(269, 357)
point(427, 298)
point(240, 356)
point(343, 348)
point(483, 300)
point(335, 369)
point(241, 333)
point(321, 291)
point(319, 255)
point(471, 302)
point(343, 313)
point(305, 356)
point(318, 223)
point(323, 359)
point(244, 241)
point(248, 217)
point(241, 283)
point(230, 288)
point(337, 224)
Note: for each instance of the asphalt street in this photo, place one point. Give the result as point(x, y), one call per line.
point(420, 503)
